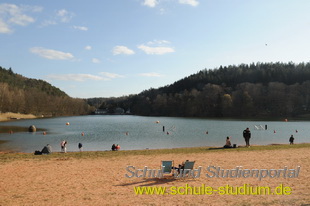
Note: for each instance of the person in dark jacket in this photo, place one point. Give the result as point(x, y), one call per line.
point(291, 139)
point(80, 146)
point(247, 136)
point(47, 149)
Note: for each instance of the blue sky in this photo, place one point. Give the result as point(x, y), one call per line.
point(104, 48)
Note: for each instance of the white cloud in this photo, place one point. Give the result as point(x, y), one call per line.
point(4, 28)
point(151, 74)
point(189, 2)
point(88, 47)
point(51, 54)
point(156, 50)
point(64, 15)
point(11, 14)
point(21, 20)
point(61, 16)
point(109, 76)
point(33, 8)
point(158, 42)
point(82, 28)
point(73, 77)
point(48, 22)
point(150, 3)
point(95, 60)
point(122, 50)
point(103, 76)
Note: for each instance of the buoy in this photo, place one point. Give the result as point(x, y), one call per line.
point(67, 123)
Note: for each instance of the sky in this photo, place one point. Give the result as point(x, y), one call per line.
point(112, 48)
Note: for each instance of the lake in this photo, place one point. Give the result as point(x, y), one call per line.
point(137, 132)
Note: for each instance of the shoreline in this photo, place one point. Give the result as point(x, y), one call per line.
point(183, 150)
point(209, 148)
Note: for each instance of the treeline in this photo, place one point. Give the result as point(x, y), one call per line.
point(31, 96)
point(255, 90)
point(110, 105)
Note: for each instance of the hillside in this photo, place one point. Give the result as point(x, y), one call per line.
point(255, 90)
point(21, 82)
point(20, 94)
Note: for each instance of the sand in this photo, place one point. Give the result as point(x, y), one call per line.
point(102, 181)
point(9, 115)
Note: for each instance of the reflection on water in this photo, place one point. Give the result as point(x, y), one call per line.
point(136, 132)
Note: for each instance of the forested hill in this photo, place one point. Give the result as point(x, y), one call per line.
point(21, 82)
point(255, 90)
point(231, 76)
point(25, 95)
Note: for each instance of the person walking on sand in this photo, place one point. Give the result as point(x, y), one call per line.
point(247, 136)
point(291, 139)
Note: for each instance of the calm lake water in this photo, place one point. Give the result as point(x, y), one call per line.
point(136, 132)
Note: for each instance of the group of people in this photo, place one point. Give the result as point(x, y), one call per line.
point(115, 147)
point(247, 137)
point(63, 146)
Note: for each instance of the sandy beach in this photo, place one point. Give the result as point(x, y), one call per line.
point(101, 181)
point(9, 116)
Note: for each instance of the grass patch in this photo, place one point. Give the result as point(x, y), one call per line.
point(8, 157)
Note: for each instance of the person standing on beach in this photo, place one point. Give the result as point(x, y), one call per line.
point(247, 136)
point(63, 146)
point(291, 139)
point(80, 146)
point(66, 146)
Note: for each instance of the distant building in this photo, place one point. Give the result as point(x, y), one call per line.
point(101, 111)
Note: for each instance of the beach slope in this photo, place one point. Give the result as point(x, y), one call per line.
point(66, 179)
